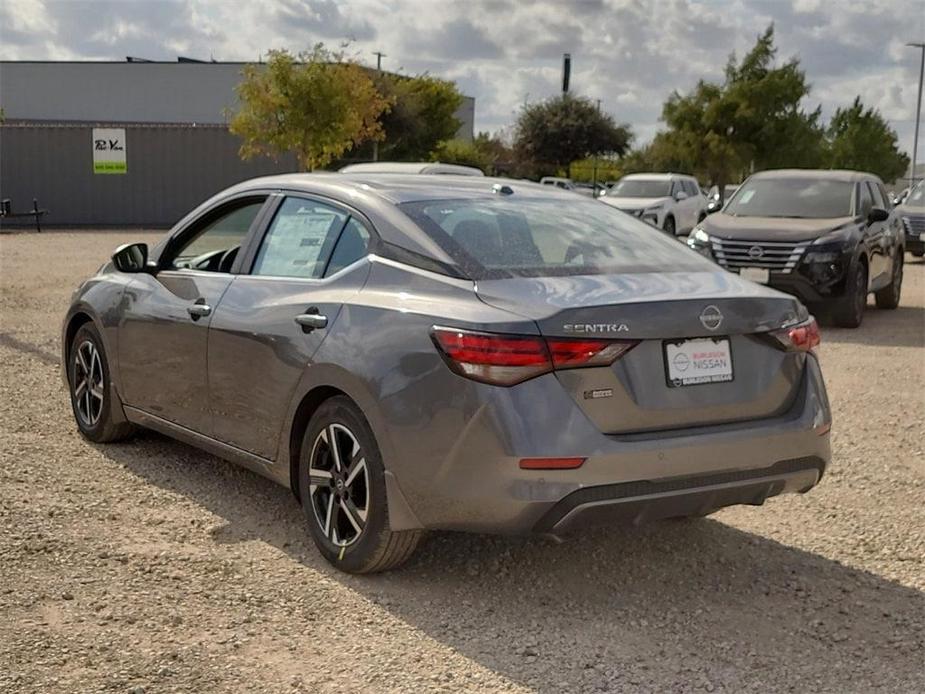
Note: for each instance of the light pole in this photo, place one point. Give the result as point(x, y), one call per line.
point(379, 56)
point(918, 111)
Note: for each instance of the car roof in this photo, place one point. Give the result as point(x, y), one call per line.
point(655, 176)
point(397, 188)
point(820, 174)
point(407, 167)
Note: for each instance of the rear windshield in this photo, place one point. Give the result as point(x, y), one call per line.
point(492, 238)
point(640, 188)
point(809, 198)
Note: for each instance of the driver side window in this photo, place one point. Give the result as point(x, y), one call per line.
point(213, 247)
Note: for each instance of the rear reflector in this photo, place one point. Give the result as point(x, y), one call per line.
point(509, 359)
point(799, 338)
point(551, 463)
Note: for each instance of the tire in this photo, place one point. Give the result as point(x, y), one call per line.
point(918, 254)
point(93, 400)
point(848, 310)
point(888, 297)
point(353, 536)
point(669, 226)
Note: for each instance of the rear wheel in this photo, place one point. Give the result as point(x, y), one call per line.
point(669, 225)
point(848, 310)
point(92, 396)
point(888, 297)
point(342, 484)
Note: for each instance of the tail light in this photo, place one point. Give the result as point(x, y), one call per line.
point(510, 359)
point(802, 337)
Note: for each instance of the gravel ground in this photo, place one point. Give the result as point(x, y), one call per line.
point(149, 566)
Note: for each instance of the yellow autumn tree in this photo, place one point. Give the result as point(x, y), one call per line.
point(316, 104)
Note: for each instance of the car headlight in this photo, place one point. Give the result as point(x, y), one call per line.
point(698, 234)
point(842, 235)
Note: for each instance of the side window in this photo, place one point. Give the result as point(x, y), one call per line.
point(864, 200)
point(215, 245)
point(352, 245)
point(300, 239)
point(875, 195)
point(675, 188)
point(888, 204)
point(693, 188)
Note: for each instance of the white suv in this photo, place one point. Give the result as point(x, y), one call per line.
point(673, 202)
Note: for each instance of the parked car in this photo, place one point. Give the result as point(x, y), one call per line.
point(672, 202)
point(912, 214)
point(404, 167)
point(452, 352)
point(716, 200)
point(592, 190)
point(558, 182)
point(825, 236)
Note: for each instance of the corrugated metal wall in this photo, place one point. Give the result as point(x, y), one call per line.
point(171, 169)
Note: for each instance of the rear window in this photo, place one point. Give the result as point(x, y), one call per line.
point(809, 198)
point(491, 238)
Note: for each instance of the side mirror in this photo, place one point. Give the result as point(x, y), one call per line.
point(680, 195)
point(877, 214)
point(132, 257)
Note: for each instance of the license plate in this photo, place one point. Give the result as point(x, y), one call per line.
point(693, 362)
point(755, 274)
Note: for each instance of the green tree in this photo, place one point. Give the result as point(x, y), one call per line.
point(422, 115)
point(859, 138)
point(754, 119)
point(462, 152)
point(316, 104)
point(558, 131)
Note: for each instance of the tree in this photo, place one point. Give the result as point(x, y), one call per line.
point(315, 104)
point(462, 152)
point(861, 139)
point(422, 115)
point(558, 131)
point(754, 120)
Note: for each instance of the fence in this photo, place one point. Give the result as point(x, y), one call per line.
point(169, 170)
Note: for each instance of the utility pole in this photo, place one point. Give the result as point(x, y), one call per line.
point(379, 56)
point(594, 166)
point(918, 111)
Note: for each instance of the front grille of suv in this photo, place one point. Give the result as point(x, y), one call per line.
point(915, 225)
point(776, 256)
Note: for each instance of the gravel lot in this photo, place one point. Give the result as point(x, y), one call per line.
point(149, 566)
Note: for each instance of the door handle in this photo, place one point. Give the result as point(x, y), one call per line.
point(197, 310)
point(311, 321)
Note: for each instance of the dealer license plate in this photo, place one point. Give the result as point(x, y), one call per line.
point(755, 274)
point(693, 362)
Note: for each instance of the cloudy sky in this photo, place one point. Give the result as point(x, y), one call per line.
point(630, 54)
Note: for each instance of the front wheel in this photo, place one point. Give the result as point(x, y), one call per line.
point(888, 297)
point(342, 486)
point(669, 225)
point(848, 310)
point(92, 396)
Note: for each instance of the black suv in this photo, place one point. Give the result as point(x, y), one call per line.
point(828, 237)
point(912, 214)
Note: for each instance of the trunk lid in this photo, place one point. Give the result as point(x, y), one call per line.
point(634, 394)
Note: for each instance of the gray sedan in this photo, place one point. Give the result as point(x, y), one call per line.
point(438, 352)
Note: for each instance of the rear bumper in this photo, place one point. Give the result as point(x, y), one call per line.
point(639, 502)
point(475, 482)
point(914, 245)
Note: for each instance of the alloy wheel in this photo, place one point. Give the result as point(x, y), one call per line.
point(339, 485)
point(88, 383)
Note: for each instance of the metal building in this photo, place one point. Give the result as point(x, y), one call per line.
point(125, 143)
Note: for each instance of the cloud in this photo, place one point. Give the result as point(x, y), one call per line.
point(629, 54)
